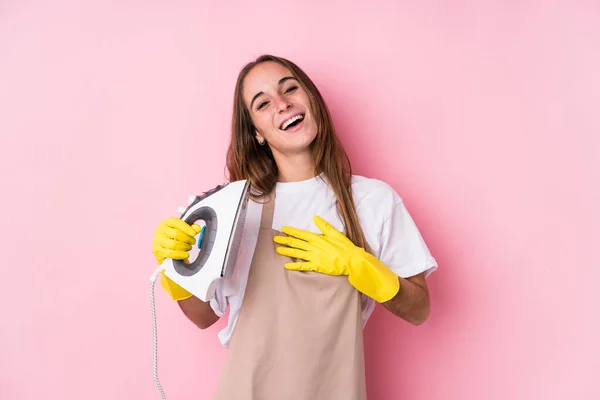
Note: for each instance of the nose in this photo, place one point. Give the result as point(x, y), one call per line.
point(282, 103)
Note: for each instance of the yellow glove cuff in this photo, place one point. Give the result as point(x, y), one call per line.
point(175, 291)
point(371, 277)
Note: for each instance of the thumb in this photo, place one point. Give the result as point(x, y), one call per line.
point(196, 228)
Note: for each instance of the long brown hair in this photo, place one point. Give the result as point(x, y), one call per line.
point(246, 159)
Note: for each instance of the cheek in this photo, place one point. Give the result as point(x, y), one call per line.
point(305, 101)
point(262, 123)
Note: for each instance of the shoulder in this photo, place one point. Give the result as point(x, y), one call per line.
point(376, 202)
point(372, 191)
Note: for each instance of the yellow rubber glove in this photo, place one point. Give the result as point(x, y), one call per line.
point(173, 239)
point(334, 254)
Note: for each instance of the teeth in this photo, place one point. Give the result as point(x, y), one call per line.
point(289, 121)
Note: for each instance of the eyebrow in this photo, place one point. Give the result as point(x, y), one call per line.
point(281, 82)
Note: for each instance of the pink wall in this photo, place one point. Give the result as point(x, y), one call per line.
point(485, 117)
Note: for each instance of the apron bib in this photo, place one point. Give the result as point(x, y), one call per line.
point(298, 335)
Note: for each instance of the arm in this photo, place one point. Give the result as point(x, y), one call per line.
point(411, 303)
point(174, 238)
point(198, 311)
point(334, 254)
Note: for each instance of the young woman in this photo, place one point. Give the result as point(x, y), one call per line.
point(320, 247)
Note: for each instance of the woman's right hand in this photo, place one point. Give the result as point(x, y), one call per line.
point(173, 239)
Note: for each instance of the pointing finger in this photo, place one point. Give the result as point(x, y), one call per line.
point(299, 233)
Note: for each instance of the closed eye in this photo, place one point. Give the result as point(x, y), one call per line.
point(291, 89)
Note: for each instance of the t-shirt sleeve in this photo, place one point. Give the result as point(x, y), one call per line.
point(401, 246)
point(219, 302)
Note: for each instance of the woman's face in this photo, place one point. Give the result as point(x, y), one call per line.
point(280, 108)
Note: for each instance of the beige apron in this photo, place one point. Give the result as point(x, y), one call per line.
point(298, 335)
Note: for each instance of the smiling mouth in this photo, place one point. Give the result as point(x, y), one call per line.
point(291, 122)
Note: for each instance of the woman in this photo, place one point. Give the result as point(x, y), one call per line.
point(302, 290)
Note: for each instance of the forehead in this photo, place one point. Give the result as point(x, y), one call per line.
point(263, 77)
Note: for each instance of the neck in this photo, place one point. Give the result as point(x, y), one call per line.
point(294, 168)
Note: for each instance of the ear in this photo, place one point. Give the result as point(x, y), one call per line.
point(260, 138)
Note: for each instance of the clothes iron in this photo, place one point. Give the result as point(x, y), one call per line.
point(223, 211)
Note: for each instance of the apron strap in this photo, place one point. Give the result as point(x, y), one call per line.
point(266, 219)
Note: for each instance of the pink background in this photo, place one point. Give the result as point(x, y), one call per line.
point(483, 115)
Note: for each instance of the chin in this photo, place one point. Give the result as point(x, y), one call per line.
point(300, 145)
point(307, 139)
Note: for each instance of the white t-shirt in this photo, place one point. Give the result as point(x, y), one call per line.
point(388, 227)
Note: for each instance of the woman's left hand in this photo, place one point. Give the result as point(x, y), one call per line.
point(334, 254)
